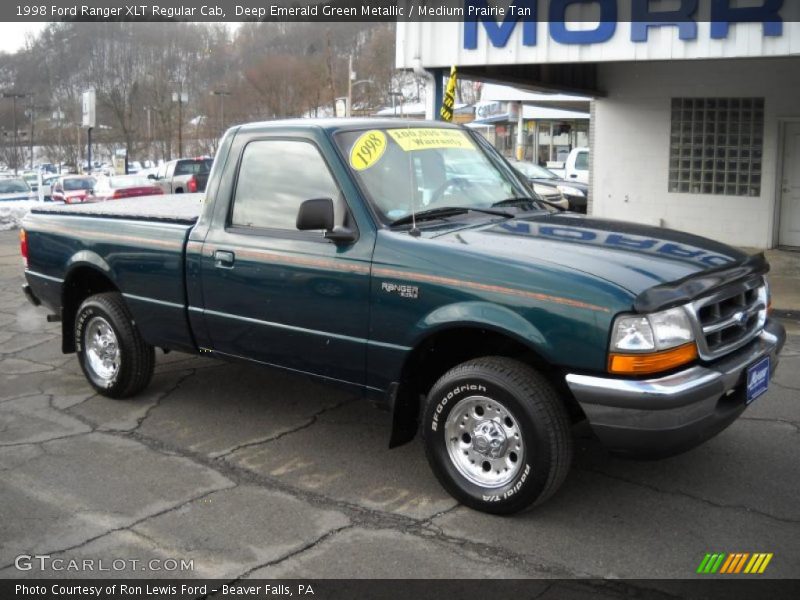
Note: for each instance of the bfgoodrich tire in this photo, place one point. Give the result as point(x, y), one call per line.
point(115, 359)
point(496, 435)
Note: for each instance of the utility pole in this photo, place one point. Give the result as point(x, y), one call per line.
point(58, 115)
point(32, 114)
point(149, 133)
point(221, 94)
point(14, 96)
point(88, 104)
point(180, 97)
point(350, 77)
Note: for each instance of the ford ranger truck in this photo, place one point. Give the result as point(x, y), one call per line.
point(408, 263)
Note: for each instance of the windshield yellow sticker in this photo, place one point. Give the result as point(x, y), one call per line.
point(417, 138)
point(367, 150)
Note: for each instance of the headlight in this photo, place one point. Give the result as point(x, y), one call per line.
point(568, 190)
point(643, 344)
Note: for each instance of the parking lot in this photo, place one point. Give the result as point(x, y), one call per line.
point(255, 473)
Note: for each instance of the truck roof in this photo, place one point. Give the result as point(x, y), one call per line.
point(334, 124)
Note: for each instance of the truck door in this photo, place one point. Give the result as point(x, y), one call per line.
point(275, 294)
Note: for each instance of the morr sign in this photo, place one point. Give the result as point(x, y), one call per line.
point(644, 15)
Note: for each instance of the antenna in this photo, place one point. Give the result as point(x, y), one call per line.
point(413, 231)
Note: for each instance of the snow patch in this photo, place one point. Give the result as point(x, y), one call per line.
point(12, 212)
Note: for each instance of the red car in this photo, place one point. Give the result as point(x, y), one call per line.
point(72, 189)
point(124, 186)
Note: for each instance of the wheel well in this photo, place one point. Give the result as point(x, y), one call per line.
point(444, 350)
point(81, 283)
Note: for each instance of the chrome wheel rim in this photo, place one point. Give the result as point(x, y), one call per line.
point(102, 349)
point(484, 441)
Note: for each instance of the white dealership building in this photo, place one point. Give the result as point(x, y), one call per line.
point(696, 103)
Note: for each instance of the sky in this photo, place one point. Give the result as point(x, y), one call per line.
point(12, 35)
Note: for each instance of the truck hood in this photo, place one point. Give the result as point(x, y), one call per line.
point(637, 258)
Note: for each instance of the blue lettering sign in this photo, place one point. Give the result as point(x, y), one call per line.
point(602, 33)
point(642, 18)
point(723, 14)
point(498, 34)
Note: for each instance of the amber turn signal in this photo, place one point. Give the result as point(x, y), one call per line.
point(655, 362)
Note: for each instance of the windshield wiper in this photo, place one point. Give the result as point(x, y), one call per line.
point(447, 211)
point(516, 201)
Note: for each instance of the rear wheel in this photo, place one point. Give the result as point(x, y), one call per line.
point(496, 435)
point(115, 359)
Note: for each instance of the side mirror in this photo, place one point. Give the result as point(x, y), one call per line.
point(152, 176)
point(316, 214)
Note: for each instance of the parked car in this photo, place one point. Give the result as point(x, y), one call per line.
point(485, 320)
point(15, 189)
point(185, 175)
point(32, 179)
point(45, 189)
point(72, 189)
point(123, 186)
point(551, 187)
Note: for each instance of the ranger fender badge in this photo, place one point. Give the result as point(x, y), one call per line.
point(404, 291)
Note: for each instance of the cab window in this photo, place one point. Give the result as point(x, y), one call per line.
point(275, 178)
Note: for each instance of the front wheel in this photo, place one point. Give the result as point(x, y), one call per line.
point(496, 435)
point(115, 359)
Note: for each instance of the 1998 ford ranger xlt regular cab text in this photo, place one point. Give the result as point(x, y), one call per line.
point(408, 262)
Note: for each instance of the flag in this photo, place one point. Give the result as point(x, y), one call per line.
point(449, 97)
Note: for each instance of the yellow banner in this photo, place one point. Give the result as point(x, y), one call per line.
point(423, 138)
point(449, 101)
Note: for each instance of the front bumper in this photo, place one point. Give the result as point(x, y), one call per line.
point(666, 416)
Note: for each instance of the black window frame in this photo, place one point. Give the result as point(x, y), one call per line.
point(276, 232)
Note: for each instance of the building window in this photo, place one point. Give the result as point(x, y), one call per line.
point(716, 146)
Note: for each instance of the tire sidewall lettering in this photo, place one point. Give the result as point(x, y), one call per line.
point(83, 317)
point(446, 401)
point(456, 391)
point(80, 324)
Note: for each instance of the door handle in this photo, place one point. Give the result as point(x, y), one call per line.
point(574, 176)
point(223, 259)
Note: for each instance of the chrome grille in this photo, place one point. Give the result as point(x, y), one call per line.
point(730, 318)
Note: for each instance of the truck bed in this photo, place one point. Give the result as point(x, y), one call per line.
point(170, 208)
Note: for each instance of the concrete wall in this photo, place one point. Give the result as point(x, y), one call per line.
point(632, 134)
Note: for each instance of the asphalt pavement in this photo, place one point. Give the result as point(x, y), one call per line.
point(248, 472)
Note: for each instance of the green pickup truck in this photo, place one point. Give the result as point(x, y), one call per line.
point(409, 263)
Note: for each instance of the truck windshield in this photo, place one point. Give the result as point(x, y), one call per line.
point(428, 166)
